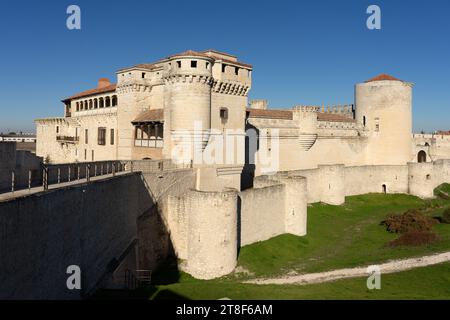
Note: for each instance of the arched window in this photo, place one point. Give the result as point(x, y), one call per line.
point(114, 101)
point(78, 106)
point(101, 103)
point(427, 144)
point(107, 102)
point(95, 103)
point(422, 156)
point(85, 105)
point(90, 104)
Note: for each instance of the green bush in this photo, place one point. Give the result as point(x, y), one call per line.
point(446, 216)
point(443, 191)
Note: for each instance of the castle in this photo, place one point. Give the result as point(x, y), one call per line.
point(188, 106)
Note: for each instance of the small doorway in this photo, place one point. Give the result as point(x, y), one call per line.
point(384, 188)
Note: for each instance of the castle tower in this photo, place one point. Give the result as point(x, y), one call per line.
point(187, 99)
point(383, 110)
point(136, 88)
point(306, 118)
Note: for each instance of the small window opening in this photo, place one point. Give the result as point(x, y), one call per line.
point(193, 64)
point(223, 67)
point(224, 114)
point(179, 64)
point(143, 75)
point(236, 70)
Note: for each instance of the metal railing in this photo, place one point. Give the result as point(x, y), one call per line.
point(49, 175)
point(134, 280)
point(67, 139)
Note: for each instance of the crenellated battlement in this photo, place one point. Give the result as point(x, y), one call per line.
point(301, 108)
point(338, 109)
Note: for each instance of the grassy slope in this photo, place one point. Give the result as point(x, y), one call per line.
point(342, 236)
point(338, 237)
point(424, 283)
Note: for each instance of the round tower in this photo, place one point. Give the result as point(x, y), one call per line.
point(383, 111)
point(188, 81)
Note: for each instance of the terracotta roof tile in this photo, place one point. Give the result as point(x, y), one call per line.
point(270, 114)
point(383, 77)
point(90, 92)
point(333, 117)
point(150, 115)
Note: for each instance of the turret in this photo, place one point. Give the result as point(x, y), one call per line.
point(383, 111)
point(306, 118)
point(188, 82)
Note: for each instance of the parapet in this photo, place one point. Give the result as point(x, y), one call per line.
point(259, 104)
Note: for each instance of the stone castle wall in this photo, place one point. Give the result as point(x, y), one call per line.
point(88, 225)
point(207, 227)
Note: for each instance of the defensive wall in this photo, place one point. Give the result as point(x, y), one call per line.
point(94, 225)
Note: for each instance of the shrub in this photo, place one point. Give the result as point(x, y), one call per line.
point(414, 238)
point(410, 221)
point(446, 216)
point(443, 191)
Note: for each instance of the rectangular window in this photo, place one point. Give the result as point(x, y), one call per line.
point(207, 65)
point(57, 129)
point(112, 137)
point(143, 75)
point(377, 124)
point(92, 155)
point(193, 64)
point(224, 114)
point(179, 64)
point(85, 154)
point(101, 136)
point(236, 70)
point(223, 67)
point(86, 135)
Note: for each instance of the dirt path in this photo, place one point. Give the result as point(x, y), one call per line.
point(388, 267)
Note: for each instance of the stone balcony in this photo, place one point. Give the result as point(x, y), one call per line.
point(67, 139)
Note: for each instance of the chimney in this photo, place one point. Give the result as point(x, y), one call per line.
point(103, 82)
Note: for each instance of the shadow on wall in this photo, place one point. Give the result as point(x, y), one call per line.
point(93, 225)
point(251, 148)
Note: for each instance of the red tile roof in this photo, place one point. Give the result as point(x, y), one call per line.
point(383, 77)
point(333, 117)
point(270, 114)
point(150, 115)
point(91, 92)
point(443, 133)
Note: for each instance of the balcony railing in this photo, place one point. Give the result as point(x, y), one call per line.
point(149, 143)
point(67, 139)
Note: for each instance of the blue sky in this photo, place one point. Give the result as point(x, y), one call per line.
point(303, 52)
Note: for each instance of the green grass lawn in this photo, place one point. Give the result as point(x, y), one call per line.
point(343, 236)
point(431, 282)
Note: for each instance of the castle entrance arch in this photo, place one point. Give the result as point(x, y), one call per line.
point(422, 156)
